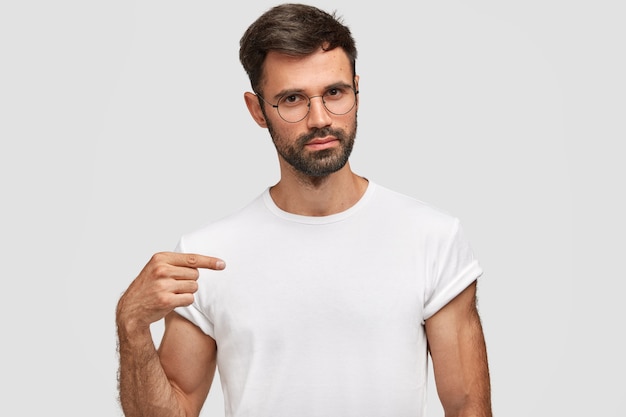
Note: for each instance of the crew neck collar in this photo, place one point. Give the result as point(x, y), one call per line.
point(332, 218)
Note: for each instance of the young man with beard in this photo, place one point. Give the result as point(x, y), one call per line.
point(336, 288)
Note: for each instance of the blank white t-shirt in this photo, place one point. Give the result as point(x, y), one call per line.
point(323, 316)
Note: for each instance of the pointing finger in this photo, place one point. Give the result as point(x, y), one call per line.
point(202, 261)
point(190, 260)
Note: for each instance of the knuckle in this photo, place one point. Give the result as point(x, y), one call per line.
point(160, 286)
point(158, 257)
point(192, 259)
point(161, 270)
point(163, 300)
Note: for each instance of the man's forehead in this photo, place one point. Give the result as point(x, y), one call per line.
point(323, 67)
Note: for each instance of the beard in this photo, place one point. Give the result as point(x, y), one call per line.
point(315, 163)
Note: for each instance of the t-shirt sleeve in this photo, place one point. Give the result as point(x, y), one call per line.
point(194, 312)
point(454, 269)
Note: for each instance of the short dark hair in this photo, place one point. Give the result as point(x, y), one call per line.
point(295, 30)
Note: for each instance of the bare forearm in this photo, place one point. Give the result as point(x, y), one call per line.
point(144, 388)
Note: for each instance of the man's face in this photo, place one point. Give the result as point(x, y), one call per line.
point(321, 143)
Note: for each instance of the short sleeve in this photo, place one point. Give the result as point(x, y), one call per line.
point(454, 268)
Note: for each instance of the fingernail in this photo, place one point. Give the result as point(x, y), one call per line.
point(220, 264)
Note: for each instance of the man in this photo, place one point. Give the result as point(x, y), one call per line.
point(336, 288)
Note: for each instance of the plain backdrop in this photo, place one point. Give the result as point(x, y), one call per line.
point(123, 125)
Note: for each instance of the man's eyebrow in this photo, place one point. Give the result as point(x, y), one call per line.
point(287, 91)
point(340, 84)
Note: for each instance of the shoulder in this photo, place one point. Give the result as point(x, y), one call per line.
point(226, 228)
point(412, 211)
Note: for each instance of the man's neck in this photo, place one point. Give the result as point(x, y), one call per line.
point(319, 196)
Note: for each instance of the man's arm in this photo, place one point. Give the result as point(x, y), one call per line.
point(174, 381)
point(457, 347)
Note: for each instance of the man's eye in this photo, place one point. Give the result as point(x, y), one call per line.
point(334, 93)
point(293, 99)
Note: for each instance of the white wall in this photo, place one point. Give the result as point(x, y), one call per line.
point(122, 126)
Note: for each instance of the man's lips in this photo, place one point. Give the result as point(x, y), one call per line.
point(322, 143)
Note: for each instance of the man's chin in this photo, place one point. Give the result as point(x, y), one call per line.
point(320, 169)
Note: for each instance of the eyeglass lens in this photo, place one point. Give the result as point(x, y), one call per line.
point(295, 107)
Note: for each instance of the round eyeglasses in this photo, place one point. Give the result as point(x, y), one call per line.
point(294, 107)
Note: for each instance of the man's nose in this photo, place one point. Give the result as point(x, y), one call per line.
point(318, 115)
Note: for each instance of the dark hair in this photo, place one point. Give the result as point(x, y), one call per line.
point(292, 29)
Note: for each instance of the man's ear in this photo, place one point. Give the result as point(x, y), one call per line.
point(254, 107)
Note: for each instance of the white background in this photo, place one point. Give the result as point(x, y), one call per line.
point(122, 126)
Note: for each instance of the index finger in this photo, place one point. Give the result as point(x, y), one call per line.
point(194, 260)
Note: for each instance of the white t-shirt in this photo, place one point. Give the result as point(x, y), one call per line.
point(323, 316)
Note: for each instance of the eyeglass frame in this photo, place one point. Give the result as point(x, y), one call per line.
point(354, 90)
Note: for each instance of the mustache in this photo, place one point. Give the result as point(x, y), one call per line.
point(320, 133)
